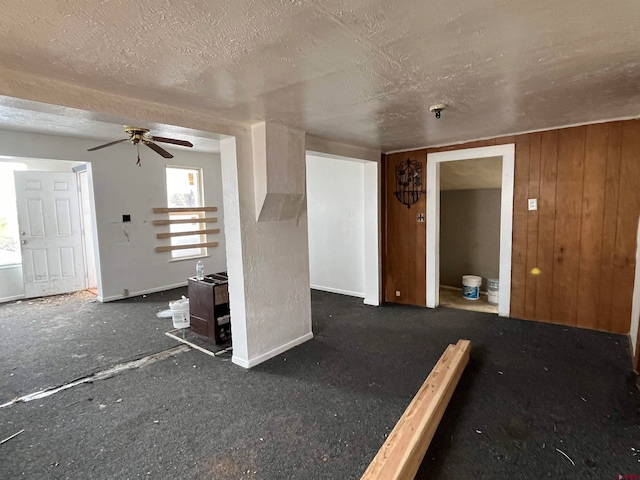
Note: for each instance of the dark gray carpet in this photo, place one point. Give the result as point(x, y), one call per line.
point(53, 340)
point(322, 410)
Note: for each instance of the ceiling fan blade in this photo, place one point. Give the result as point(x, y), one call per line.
point(157, 149)
point(184, 143)
point(107, 145)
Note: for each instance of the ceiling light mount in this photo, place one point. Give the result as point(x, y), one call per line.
point(136, 133)
point(437, 109)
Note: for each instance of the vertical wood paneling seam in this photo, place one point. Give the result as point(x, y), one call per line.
point(548, 177)
point(584, 170)
point(604, 304)
point(555, 215)
point(526, 235)
point(518, 265)
point(615, 226)
point(615, 238)
point(535, 298)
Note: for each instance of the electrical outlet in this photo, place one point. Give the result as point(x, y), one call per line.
point(397, 293)
point(125, 292)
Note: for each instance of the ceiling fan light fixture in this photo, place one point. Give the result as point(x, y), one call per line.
point(137, 135)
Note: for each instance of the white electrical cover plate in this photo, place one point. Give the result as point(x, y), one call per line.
point(533, 204)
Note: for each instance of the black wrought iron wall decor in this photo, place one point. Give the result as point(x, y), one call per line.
point(409, 182)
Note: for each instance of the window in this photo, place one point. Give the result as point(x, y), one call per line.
point(184, 189)
point(9, 237)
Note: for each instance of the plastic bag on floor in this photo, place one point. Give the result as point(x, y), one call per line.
point(176, 304)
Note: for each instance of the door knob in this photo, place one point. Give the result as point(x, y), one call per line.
point(24, 242)
point(23, 233)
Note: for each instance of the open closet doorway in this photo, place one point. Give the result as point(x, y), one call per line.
point(470, 221)
point(470, 192)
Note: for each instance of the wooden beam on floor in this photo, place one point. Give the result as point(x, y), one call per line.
point(402, 453)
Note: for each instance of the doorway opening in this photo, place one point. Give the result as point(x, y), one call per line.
point(87, 213)
point(48, 229)
point(500, 158)
point(470, 192)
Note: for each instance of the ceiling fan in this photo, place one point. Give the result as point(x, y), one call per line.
point(139, 135)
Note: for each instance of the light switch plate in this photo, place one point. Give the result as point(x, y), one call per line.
point(533, 204)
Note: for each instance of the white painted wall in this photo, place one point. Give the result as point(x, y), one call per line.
point(336, 216)
point(372, 233)
point(126, 250)
point(469, 234)
point(370, 159)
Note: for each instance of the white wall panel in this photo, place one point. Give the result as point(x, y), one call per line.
point(336, 216)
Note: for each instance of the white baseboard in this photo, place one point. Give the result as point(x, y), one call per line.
point(276, 351)
point(240, 361)
point(12, 298)
point(373, 303)
point(142, 292)
point(337, 290)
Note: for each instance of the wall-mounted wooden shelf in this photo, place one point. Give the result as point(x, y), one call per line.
point(184, 209)
point(190, 232)
point(185, 220)
point(168, 248)
point(196, 219)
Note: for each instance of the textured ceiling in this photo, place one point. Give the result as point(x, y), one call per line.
point(358, 71)
point(41, 118)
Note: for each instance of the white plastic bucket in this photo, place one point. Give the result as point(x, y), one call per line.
point(180, 313)
point(471, 287)
point(493, 287)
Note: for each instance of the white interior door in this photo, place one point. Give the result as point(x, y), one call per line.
point(50, 235)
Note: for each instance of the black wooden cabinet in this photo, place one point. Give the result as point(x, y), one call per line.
point(209, 307)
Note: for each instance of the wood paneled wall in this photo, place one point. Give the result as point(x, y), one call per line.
point(582, 238)
point(405, 260)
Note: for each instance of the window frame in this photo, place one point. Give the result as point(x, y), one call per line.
point(199, 187)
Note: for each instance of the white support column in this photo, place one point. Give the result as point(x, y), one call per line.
point(267, 246)
point(233, 241)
